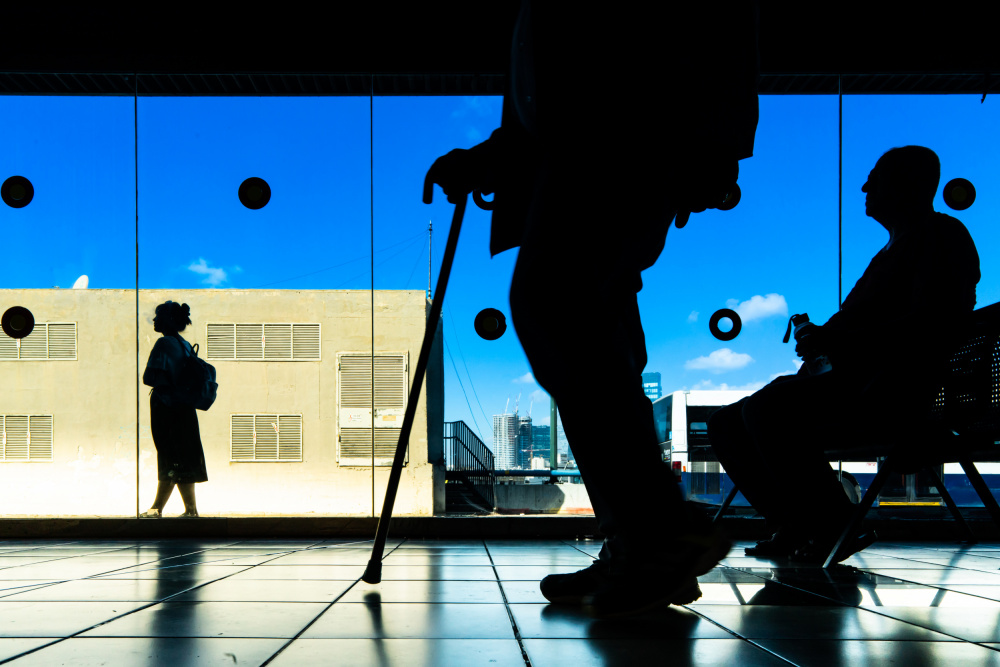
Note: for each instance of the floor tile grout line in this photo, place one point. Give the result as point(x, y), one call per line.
point(128, 613)
point(506, 606)
point(860, 608)
point(103, 575)
point(738, 635)
point(579, 549)
point(320, 614)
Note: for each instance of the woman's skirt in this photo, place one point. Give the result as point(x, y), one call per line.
point(179, 455)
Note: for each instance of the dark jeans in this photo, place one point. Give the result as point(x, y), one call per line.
point(574, 307)
point(772, 444)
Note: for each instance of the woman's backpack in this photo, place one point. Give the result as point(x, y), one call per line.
point(196, 385)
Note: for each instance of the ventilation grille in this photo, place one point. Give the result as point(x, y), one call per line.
point(264, 342)
point(266, 437)
point(354, 391)
point(355, 446)
point(25, 437)
point(55, 341)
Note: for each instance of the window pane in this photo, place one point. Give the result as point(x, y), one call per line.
point(256, 212)
point(964, 133)
point(773, 255)
point(68, 390)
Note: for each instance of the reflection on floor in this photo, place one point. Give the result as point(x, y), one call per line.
point(474, 602)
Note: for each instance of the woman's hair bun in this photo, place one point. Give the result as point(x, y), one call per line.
point(179, 314)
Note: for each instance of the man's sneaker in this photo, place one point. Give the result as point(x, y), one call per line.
point(574, 587)
point(571, 588)
point(673, 582)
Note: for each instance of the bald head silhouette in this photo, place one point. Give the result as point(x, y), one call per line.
point(902, 185)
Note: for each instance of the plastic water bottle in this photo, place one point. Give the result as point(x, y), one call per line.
point(816, 365)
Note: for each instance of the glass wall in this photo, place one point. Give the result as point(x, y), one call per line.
point(293, 228)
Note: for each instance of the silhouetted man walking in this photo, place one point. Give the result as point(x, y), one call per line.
point(617, 121)
point(887, 346)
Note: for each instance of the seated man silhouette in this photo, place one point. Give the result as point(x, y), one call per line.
point(887, 347)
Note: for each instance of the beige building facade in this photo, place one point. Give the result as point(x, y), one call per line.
point(290, 433)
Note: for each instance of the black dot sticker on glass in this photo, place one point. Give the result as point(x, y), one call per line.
point(959, 194)
point(729, 314)
point(255, 193)
point(17, 322)
point(490, 324)
point(17, 192)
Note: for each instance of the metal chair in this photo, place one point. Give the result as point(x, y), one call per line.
point(962, 426)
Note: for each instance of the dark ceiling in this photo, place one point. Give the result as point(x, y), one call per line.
point(452, 48)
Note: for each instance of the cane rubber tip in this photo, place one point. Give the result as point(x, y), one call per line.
point(373, 573)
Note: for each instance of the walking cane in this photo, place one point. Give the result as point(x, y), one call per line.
point(373, 573)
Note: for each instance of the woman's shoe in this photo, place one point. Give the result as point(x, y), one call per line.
point(188, 515)
point(816, 551)
point(151, 514)
point(779, 546)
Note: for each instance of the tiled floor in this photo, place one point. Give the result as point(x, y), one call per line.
point(474, 602)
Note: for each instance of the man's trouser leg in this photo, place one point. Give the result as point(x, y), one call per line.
point(745, 464)
point(574, 307)
point(792, 423)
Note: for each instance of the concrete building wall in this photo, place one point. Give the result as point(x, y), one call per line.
point(94, 403)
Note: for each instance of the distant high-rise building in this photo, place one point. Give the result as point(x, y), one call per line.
point(651, 385)
point(505, 429)
point(524, 443)
point(541, 438)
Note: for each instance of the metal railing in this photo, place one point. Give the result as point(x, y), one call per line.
point(470, 461)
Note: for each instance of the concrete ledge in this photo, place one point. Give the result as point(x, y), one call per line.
point(546, 526)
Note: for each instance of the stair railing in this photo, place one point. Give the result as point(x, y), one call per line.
point(471, 461)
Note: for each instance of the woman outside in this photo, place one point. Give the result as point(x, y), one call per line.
point(180, 458)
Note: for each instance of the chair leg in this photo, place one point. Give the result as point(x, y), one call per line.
point(726, 503)
point(980, 486)
point(963, 527)
point(862, 509)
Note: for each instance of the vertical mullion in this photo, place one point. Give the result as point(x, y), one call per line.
point(371, 208)
point(135, 126)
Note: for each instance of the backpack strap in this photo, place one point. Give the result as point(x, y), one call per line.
point(180, 341)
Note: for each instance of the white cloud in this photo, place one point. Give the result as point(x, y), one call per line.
point(475, 110)
point(477, 106)
point(708, 385)
point(693, 317)
point(213, 276)
point(719, 361)
point(796, 362)
point(524, 379)
point(758, 307)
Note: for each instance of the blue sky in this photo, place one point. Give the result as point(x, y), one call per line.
point(328, 159)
